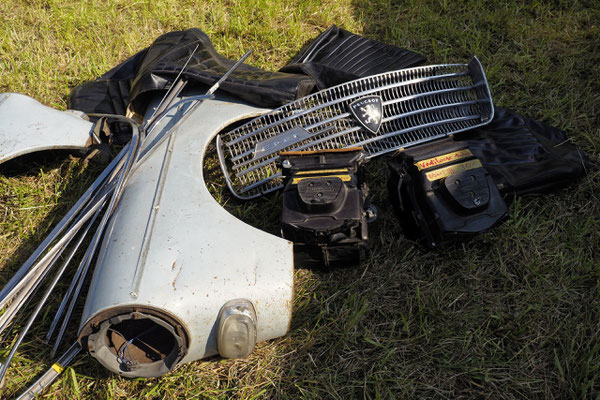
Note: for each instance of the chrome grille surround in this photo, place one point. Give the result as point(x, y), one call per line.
point(419, 105)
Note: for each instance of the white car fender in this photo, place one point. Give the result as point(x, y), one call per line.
point(178, 278)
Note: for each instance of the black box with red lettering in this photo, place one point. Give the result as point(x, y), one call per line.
point(441, 193)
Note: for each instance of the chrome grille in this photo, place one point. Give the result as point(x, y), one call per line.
point(418, 105)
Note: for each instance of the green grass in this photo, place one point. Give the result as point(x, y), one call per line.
point(515, 313)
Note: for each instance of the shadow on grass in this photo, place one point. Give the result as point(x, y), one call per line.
point(504, 316)
point(34, 166)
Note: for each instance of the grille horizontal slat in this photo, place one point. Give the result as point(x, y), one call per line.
point(364, 92)
point(418, 105)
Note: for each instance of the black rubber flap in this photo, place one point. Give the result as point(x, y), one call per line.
point(337, 56)
point(525, 156)
point(156, 67)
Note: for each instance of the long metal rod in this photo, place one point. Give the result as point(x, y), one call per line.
point(51, 374)
point(107, 190)
point(61, 308)
point(24, 288)
point(18, 294)
point(22, 300)
point(45, 263)
point(134, 145)
point(173, 92)
point(83, 269)
point(7, 291)
point(46, 295)
point(235, 66)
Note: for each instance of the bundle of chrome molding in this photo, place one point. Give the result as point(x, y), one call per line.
point(70, 233)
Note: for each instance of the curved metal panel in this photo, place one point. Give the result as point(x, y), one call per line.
point(171, 248)
point(27, 126)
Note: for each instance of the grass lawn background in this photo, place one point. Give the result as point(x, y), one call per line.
point(515, 313)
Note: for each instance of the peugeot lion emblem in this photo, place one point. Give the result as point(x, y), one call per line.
point(368, 111)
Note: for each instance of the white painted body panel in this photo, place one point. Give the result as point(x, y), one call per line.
point(27, 126)
point(198, 256)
